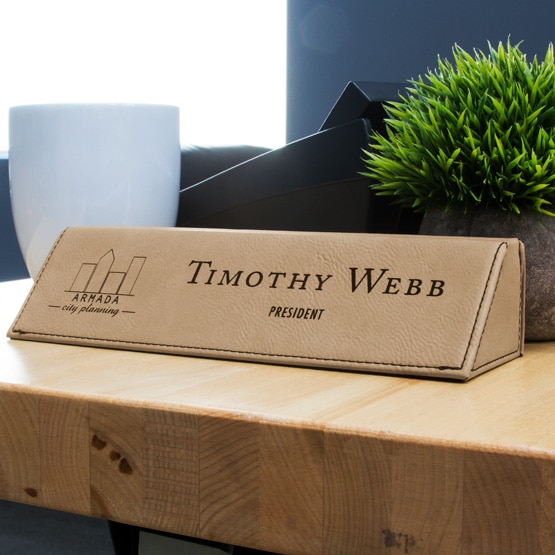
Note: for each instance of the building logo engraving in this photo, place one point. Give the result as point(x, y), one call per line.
point(99, 278)
point(99, 289)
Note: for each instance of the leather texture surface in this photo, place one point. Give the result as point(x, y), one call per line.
point(449, 307)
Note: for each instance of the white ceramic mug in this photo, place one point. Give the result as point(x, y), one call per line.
point(91, 164)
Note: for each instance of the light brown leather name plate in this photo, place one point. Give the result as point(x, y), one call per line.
point(427, 306)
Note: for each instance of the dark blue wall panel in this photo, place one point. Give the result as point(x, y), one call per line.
point(336, 41)
point(12, 265)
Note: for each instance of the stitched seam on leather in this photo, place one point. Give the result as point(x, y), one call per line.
point(482, 302)
point(38, 276)
point(496, 359)
point(485, 325)
point(238, 352)
point(522, 289)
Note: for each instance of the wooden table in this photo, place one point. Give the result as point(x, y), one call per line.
point(285, 459)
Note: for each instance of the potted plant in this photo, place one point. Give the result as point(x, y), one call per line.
point(472, 146)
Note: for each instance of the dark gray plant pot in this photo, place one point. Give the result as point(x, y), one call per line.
point(537, 232)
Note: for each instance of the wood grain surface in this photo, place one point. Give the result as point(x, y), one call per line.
point(291, 460)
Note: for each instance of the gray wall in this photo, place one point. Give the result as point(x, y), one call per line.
point(332, 42)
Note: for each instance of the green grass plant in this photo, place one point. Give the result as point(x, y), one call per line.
point(477, 131)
